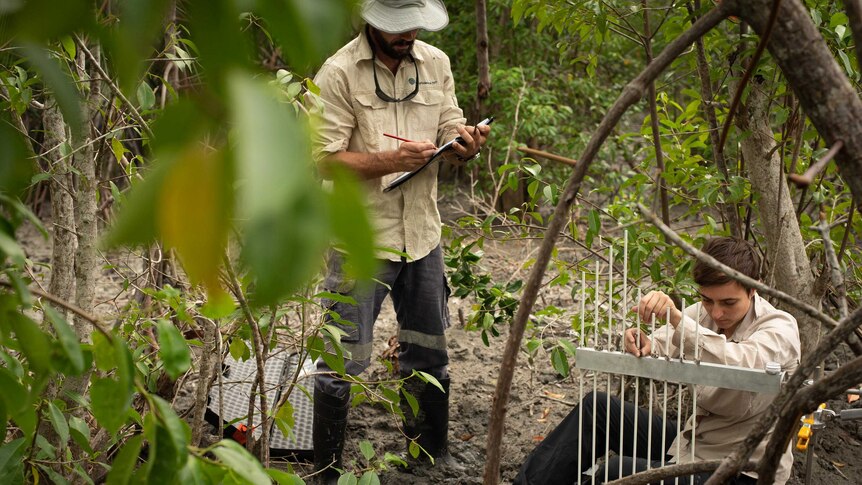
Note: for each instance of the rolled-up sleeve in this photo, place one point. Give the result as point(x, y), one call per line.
point(334, 114)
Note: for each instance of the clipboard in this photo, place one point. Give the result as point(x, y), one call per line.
point(404, 177)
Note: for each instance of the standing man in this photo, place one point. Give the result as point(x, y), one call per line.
point(737, 327)
point(387, 81)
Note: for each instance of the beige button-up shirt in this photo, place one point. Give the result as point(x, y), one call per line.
point(724, 417)
point(354, 119)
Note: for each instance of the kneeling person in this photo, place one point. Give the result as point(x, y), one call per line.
point(736, 327)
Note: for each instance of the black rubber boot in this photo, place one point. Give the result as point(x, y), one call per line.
point(430, 427)
point(330, 421)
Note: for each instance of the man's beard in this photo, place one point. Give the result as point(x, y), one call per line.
point(389, 48)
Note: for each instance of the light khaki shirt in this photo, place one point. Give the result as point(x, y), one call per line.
point(724, 417)
point(354, 119)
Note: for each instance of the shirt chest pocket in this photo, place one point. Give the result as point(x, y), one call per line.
point(422, 114)
point(371, 119)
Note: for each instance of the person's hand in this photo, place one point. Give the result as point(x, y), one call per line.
point(657, 303)
point(474, 137)
point(637, 342)
point(413, 154)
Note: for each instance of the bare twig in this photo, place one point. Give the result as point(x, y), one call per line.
point(257, 349)
point(100, 326)
point(633, 92)
point(805, 179)
point(657, 474)
point(116, 89)
point(834, 268)
point(653, 114)
point(550, 156)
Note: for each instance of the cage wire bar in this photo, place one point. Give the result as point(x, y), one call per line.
point(604, 353)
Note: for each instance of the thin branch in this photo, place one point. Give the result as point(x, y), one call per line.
point(654, 126)
point(805, 179)
point(116, 89)
point(100, 326)
point(550, 156)
point(847, 229)
point(733, 274)
point(631, 94)
point(657, 474)
point(761, 46)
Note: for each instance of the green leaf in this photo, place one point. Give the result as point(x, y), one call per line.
point(414, 449)
point(347, 479)
point(307, 31)
point(146, 96)
point(284, 418)
point(367, 450)
point(9, 248)
point(124, 463)
point(283, 207)
point(349, 223)
point(560, 362)
point(173, 349)
point(369, 478)
point(136, 222)
point(194, 211)
point(68, 339)
point(239, 350)
point(411, 401)
point(16, 162)
point(110, 402)
point(103, 352)
point(431, 379)
point(177, 429)
point(240, 461)
point(80, 433)
point(284, 478)
point(69, 46)
point(33, 341)
point(58, 421)
point(12, 462)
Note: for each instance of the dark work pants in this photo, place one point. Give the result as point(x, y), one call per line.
point(419, 294)
point(555, 460)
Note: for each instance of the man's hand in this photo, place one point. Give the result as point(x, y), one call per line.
point(474, 137)
point(637, 342)
point(413, 154)
point(657, 303)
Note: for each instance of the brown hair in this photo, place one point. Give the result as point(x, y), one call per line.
point(736, 253)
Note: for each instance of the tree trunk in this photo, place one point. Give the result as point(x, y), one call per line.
point(819, 82)
point(85, 208)
point(790, 269)
point(64, 241)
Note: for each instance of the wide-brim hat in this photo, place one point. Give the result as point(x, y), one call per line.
point(396, 16)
